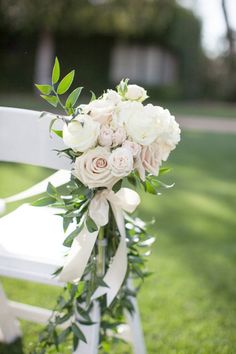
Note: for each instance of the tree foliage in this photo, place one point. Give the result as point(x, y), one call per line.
point(157, 21)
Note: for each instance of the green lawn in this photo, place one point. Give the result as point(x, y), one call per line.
point(200, 109)
point(188, 305)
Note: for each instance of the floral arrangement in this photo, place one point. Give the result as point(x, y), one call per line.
point(114, 142)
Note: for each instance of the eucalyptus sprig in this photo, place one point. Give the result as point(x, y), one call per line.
point(52, 93)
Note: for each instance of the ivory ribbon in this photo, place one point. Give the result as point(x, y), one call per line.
point(124, 200)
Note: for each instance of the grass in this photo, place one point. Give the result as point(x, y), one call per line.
point(200, 109)
point(188, 304)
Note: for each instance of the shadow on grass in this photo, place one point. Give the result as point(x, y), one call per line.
point(13, 348)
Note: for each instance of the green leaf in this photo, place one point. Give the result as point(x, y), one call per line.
point(45, 89)
point(73, 97)
point(51, 190)
point(132, 180)
point(101, 282)
point(64, 318)
point(80, 288)
point(51, 124)
point(65, 83)
point(57, 271)
point(55, 339)
point(53, 100)
point(43, 114)
point(93, 96)
point(75, 342)
point(58, 132)
point(83, 313)
point(63, 335)
point(66, 223)
point(78, 333)
point(44, 201)
point(56, 71)
point(122, 87)
point(69, 239)
point(117, 186)
point(149, 188)
point(164, 170)
point(91, 226)
point(157, 183)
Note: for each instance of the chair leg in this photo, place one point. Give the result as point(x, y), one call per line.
point(9, 327)
point(135, 329)
point(91, 333)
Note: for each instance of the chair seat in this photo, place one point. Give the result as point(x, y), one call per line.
point(31, 243)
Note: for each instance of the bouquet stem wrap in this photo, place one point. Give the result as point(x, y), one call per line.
point(124, 200)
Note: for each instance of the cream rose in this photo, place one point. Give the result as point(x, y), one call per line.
point(140, 126)
point(93, 170)
point(105, 136)
point(136, 93)
point(118, 136)
point(121, 162)
point(100, 110)
point(149, 160)
point(81, 133)
point(133, 147)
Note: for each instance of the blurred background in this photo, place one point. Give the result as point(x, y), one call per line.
point(184, 53)
point(180, 50)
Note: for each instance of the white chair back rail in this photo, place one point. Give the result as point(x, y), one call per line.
point(24, 138)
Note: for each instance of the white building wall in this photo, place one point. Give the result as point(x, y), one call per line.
point(149, 65)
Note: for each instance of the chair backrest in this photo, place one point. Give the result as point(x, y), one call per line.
point(24, 138)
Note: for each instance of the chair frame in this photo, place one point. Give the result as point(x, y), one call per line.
point(39, 153)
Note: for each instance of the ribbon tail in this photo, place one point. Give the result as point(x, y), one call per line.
point(117, 270)
point(78, 256)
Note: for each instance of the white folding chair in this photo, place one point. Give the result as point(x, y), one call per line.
point(25, 231)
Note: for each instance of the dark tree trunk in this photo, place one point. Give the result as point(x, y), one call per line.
point(231, 58)
point(229, 31)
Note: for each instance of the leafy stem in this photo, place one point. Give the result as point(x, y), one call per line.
point(101, 253)
point(59, 100)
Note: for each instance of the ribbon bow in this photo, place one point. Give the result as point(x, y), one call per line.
point(124, 200)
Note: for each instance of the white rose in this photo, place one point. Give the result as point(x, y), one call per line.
point(112, 96)
point(119, 136)
point(81, 133)
point(171, 135)
point(133, 147)
point(136, 93)
point(168, 128)
point(92, 168)
point(105, 136)
point(121, 162)
point(120, 114)
point(100, 110)
point(140, 126)
point(169, 139)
